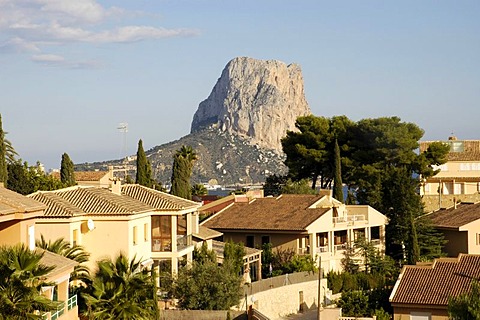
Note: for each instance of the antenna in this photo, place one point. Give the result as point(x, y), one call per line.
point(123, 127)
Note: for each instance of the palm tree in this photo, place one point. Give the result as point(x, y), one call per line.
point(21, 275)
point(75, 253)
point(199, 190)
point(122, 289)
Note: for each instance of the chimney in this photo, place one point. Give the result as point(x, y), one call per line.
point(326, 192)
point(116, 186)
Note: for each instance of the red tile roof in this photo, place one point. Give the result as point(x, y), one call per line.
point(471, 150)
point(463, 214)
point(434, 284)
point(84, 175)
point(286, 212)
point(12, 202)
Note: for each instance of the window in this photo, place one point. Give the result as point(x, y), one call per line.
point(478, 239)
point(250, 241)
point(181, 225)
point(420, 316)
point(358, 234)
point(322, 239)
point(75, 237)
point(135, 239)
point(375, 233)
point(31, 237)
point(161, 233)
point(265, 240)
point(145, 232)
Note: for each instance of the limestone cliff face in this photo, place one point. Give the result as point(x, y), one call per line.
point(256, 99)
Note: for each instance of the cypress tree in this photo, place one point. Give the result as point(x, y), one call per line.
point(3, 160)
point(67, 173)
point(337, 178)
point(144, 168)
point(183, 161)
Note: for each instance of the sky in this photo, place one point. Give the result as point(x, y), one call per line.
point(72, 70)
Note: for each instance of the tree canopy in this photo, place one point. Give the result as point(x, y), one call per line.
point(144, 168)
point(183, 162)
point(380, 165)
point(67, 172)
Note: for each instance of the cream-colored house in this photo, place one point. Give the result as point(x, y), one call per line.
point(18, 216)
point(460, 226)
point(316, 225)
point(140, 222)
point(458, 179)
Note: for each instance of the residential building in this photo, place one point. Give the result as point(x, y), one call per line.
point(315, 225)
point(143, 223)
point(457, 180)
point(91, 178)
point(18, 216)
point(460, 226)
point(422, 291)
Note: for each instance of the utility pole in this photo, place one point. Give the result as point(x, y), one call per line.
point(319, 316)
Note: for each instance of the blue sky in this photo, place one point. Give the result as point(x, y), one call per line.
point(71, 71)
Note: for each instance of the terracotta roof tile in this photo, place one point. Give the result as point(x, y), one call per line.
point(455, 217)
point(62, 265)
point(157, 199)
point(434, 284)
point(84, 175)
point(88, 200)
point(286, 212)
point(471, 150)
point(12, 202)
point(205, 233)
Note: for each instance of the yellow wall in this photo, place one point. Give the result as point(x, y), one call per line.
point(404, 313)
point(15, 231)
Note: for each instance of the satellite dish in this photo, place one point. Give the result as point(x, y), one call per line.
point(90, 225)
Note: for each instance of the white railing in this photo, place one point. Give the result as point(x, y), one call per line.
point(184, 241)
point(352, 218)
point(303, 251)
point(342, 246)
point(60, 311)
point(322, 249)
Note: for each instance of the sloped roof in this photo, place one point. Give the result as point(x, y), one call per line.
point(157, 199)
point(434, 284)
point(455, 217)
point(84, 175)
point(288, 212)
point(80, 200)
point(471, 150)
point(62, 265)
point(205, 233)
point(12, 202)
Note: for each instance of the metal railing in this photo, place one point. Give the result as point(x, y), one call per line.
point(322, 249)
point(352, 218)
point(303, 251)
point(341, 246)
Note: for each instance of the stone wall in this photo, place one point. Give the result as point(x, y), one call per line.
point(201, 315)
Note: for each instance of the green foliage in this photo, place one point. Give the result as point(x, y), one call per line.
point(337, 178)
point(21, 276)
point(122, 289)
point(233, 254)
point(183, 161)
point(207, 286)
point(26, 179)
point(431, 242)
point(276, 185)
point(348, 261)
point(144, 169)
point(354, 304)
point(297, 187)
point(3, 154)
point(67, 174)
point(199, 190)
point(466, 306)
point(75, 253)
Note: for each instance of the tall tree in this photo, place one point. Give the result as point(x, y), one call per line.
point(183, 161)
point(337, 178)
point(122, 289)
point(144, 168)
point(67, 172)
point(466, 306)
point(21, 276)
point(3, 154)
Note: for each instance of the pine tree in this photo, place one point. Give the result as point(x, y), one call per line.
point(3, 160)
point(337, 178)
point(67, 173)
point(183, 161)
point(144, 168)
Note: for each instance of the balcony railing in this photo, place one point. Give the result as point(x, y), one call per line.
point(184, 241)
point(341, 246)
point(322, 249)
point(303, 251)
point(72, 302)
point(376, 242)
point(54, 315)
point(349, 219)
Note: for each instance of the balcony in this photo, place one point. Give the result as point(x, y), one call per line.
point(322, 249)
point(349, 219)
point(341, 246)
point(303, 251)
point(184, 241)
point(63, 308)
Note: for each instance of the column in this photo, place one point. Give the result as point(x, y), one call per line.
point(174, 233)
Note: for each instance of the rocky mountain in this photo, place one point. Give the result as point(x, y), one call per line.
point(236, 131)
point(256, 99)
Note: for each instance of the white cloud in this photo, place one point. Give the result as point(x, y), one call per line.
point(53, 60)
point(49, 58)
point(35, 25)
